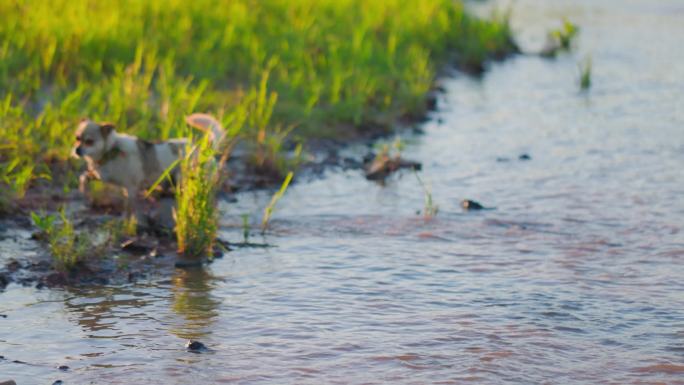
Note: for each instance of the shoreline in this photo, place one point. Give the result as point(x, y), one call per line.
point(48, 195)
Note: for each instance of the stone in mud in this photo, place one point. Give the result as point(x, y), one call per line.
point(13, 266)
point(58, 382)
point(134, 275)
point(40, 266)
point(468, 204)
point(63, 368)
point(54, 279)
point(195, 346)
point(524, 157)
point(8, 382)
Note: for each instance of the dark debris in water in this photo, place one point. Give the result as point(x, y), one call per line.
point(471, 205)
point(379, 167)
point(195, 347)
point(139, 245)
point(521, 157)
point(247, 244)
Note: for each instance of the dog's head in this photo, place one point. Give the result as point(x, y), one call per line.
point(91, 139)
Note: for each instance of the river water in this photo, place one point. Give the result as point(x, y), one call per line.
point(576, 277)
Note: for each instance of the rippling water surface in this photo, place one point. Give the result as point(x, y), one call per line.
point(576, 277)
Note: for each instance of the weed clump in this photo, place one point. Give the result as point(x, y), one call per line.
point(266, 141)
point(388, 160)
point(430, 209)
point(560, 39)
point(585, 74)
point(67, 247)
point(195, 214)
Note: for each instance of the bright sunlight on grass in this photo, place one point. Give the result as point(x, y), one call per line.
point(337, 67)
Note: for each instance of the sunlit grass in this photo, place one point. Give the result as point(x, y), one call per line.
point(334, 67)
point(565, 34)
point(67, 247)
point(560, 39)
point(585, 73)
point(70, 247)
point(268, 210)
point(195, 214)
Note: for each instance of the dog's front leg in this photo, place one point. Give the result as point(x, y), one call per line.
point(83, 180)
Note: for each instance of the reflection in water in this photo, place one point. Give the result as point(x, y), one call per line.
point(97, 309)
point(192, 300)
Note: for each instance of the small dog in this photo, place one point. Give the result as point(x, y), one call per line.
point(131, 162)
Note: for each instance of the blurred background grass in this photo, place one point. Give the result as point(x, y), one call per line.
point(318, 68)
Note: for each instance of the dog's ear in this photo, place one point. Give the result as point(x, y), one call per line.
point(106, 129)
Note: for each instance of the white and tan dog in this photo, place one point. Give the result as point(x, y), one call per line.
point(131, 162)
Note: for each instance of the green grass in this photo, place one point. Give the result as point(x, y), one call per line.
point(246, 228)
point(430, 209)
point(566, 34)
point(268, 210)
point(561, 39)
point(196, 215)
point(333, 68)
point(67, 247)
point(70, 247)
point(585, 73)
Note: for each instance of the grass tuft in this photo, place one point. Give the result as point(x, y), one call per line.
point(246, 228)
point(585, 73)
point(268, 210)
point(67, 247)
point(195, 214)
point(560, 39)
point(430, 209)
point(566, 34)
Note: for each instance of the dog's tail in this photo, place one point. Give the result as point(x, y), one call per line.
point(208, 123)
